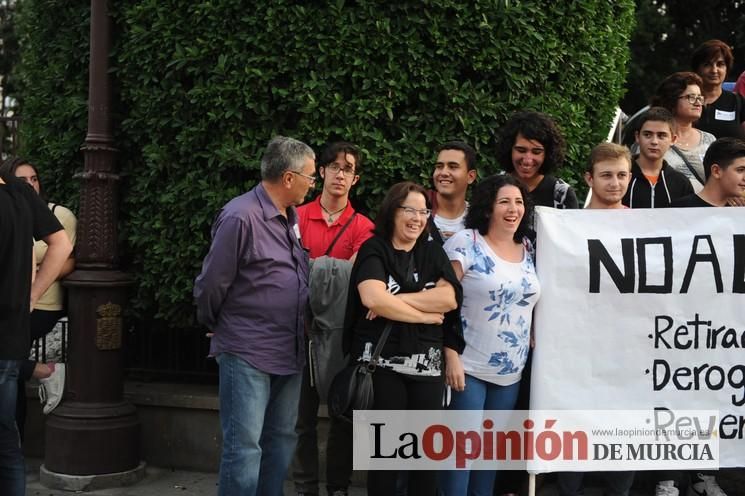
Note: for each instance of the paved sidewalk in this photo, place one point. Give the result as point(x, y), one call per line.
point(157, 482)
point(165, 482)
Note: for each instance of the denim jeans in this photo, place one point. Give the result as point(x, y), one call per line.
point(338, 447)
point(477, 395)
point(12, 469)
point(258, 412)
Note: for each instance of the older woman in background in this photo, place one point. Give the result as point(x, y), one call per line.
point(681, 94)
point(724, 111)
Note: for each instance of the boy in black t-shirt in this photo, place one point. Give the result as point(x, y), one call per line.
point(724, 166)
point(23, 217)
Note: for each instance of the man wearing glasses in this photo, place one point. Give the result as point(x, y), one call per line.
point(322, 219)
point(252, 294)
point(329, 226)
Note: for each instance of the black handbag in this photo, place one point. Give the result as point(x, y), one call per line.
point(352, 388)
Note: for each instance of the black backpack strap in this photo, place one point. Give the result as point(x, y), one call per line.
point(338, 235)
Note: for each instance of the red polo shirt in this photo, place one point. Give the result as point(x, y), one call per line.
point(316, 235)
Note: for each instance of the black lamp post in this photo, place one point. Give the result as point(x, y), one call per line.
point(92, 438)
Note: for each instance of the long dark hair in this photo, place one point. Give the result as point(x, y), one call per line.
point(8, 169)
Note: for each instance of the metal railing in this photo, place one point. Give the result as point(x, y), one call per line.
point(152, 355)
point(158, 353)
point(40, 348)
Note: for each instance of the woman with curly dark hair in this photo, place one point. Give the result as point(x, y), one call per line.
point(494, 261)
point(531, 148)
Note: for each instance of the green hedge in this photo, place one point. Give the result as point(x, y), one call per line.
point(204, 85)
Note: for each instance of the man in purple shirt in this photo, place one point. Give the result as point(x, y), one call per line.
point(252, 295)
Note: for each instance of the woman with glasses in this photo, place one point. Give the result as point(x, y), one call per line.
point(724, 111)
point(402, 277)
point(680, 93)
point(494, 261)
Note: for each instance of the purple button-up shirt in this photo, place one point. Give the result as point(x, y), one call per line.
point(253, 288)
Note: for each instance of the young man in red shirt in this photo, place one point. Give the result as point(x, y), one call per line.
point(329, 226)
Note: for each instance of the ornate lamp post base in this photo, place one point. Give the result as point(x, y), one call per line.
point(94, 431)
point(67, 482)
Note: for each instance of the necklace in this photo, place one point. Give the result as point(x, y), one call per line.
point(690, 140)
point(331, 214)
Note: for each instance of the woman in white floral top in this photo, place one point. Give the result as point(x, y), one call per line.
point(494, 261)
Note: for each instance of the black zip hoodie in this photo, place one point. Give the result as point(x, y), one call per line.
point(670, 186)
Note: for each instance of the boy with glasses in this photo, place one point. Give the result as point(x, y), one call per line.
point(329, 226)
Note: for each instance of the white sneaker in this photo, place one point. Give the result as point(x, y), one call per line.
point(706, 486)
point(51, 388)
point(666, 488)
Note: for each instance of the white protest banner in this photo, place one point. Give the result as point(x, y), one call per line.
point(643, 309)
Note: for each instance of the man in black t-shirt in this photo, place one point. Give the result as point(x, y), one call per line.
point(23, 218)
point(724, 166)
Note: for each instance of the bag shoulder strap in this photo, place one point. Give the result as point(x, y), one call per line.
point(379, 347)
point(434, 232)
point(688, 164)
point(338, 235)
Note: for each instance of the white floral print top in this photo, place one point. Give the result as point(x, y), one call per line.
point(497, 311)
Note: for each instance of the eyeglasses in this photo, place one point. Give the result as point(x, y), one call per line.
point(693, 99)
point(413, 212)
point(312, 179)
point(335, 168)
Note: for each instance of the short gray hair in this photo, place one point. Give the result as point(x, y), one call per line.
point(283, 154)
